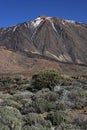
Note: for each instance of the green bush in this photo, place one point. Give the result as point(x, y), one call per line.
point(61, 106)
point(78, 105)
point(77, 98)
point(36, 120)
point(10, 117)
point(48, 79)
point(11, 84)
point(47, 94)
point(27, 127)
point(4, 127)
point(81, 121)
point(9, 102)
point(27, 106)
point(65, 126)
point(42, 105)
point(45, 79)
point(83, 93)
point(58, 117)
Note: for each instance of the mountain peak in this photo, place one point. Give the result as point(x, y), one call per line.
point(47, 38)
point(37, 21)
point(40, 19)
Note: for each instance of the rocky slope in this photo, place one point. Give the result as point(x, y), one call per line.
point(45, 38)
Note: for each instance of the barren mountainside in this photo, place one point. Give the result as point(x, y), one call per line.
point(43, 39)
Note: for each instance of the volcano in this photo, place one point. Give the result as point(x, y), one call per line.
point(44, 43)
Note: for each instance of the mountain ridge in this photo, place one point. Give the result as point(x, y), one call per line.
point(51, 38)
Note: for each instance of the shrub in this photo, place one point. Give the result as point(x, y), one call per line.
point(27, 127)
point(4, 127)
point(61, 106)
point(9, 102)
point(58, 117)
point(36, 120)
point(78, 105)
point(27, 106)
point(81, 121)
point(11, 84)
point(10, 117)
point(48, 79)
point(65, 126)
point(45, 79)
point(77, 98)
point(47, 94)
point(42, 105)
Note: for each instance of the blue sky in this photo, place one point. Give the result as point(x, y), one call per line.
point(17, 11)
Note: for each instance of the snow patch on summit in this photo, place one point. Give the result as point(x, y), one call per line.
point(37, 21)
point(14, 28)
point(70, 21)
point(54, 27)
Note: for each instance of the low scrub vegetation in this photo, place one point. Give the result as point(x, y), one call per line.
point(47, 101)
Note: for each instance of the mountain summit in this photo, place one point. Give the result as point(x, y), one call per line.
point(45, 38)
